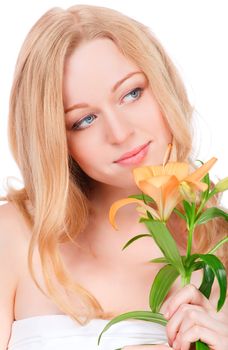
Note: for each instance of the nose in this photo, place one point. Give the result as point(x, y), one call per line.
point(117, 127)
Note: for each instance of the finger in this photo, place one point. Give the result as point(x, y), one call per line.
point(203, 319)
point(187, 295)
point(189, 315)
point(214, 340)
point(180, 321)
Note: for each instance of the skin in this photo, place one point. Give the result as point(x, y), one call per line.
point(122, 122)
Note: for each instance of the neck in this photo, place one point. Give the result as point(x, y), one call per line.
point(102, 196)
point(127, 219)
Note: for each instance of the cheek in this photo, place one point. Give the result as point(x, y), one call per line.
point(147, 110)
point(152, 120)
point(84, 150)
point(161, 129)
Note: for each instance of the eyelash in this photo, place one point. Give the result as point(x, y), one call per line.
point(76, 126)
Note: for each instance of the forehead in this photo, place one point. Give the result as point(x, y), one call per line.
point(95, 63)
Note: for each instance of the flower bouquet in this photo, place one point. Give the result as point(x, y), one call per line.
point(164, 188)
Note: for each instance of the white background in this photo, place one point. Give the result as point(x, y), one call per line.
point(194, 33)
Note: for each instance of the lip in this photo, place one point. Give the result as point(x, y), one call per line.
point(134, 156)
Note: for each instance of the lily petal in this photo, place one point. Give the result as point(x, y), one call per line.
point(171, 196)
point(201, 186)
point(157, 170)
point(147, 172)
point(117, 205)
point(143, 211)
point(159, 181)
point(164, 191)
point(153, 191)
point(141, 173)
point(200, 172)
point(180, 170)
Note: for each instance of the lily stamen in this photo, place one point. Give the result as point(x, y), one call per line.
point(167, 154)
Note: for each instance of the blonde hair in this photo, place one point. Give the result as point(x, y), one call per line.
point(54, 186)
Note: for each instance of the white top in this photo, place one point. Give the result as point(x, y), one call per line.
point(60, 332)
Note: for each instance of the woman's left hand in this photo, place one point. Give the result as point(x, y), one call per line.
point(192, 317)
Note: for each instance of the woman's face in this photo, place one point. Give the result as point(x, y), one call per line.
point(109, 112)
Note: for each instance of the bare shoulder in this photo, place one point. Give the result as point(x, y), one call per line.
point(13, 252)
point(10, 216)
point(14, 239)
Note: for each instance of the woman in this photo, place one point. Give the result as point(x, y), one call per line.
point(92, 87)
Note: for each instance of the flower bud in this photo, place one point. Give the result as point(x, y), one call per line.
point(222, 185)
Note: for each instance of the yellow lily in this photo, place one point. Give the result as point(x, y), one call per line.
point(167, 185)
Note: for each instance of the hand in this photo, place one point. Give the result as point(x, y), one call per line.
point(192, 317)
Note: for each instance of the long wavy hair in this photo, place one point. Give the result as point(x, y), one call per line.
point(54, 200)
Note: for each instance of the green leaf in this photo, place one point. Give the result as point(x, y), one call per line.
point(144, 197)
point(161, 286)
point(207, 282)
point(212, 193)
point(166, 243)
point(198, 265)
point(188, 211)
point(138, 315)
point(220, 272)
point(159, 260)
point(206, 194)
point(187, 208)
point(178, 212)
point(149, 215)
point(191, 259)
point(218, 245)
point(164, 260)
point(201, 346)
point(211, 213)
point(207, 181)
point(135, 238)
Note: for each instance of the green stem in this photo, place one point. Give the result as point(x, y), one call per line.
point(185, 279)
point(204, 201)
point(190, 237)
point(191, 230)
point(201, 207)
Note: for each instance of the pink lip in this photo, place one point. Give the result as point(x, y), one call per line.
point(134, 156)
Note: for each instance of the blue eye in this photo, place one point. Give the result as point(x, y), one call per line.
point(136, 93)
point(84, 123)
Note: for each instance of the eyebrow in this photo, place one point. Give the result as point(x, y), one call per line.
point(114, 88)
